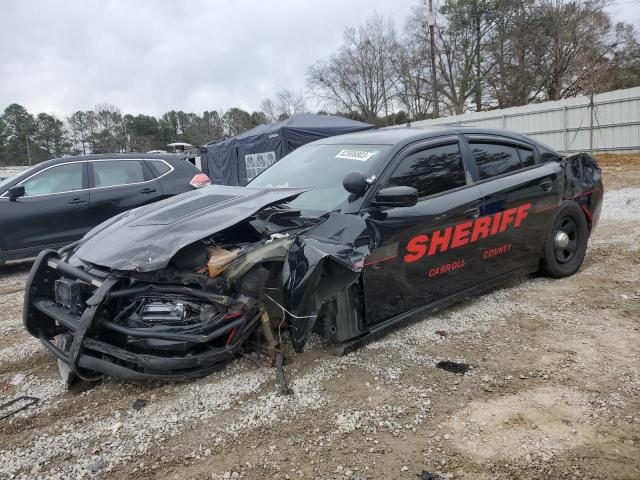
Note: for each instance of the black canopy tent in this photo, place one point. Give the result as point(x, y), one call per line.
point(236, 160)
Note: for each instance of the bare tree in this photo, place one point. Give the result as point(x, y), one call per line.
point(575, 34)
point(360, 76)
point(287, 103)
point(514, 53)
point(412, 70)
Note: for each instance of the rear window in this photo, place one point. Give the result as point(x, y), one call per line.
point(158, 167)
point(495, 159)
point(117, 172)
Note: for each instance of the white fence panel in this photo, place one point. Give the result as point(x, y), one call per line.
point(610, 123)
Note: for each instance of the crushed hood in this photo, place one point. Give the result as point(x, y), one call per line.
point(146, 238)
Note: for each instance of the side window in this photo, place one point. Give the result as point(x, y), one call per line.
point(495, 159)
point(431, 171)
point(117, 172)
point(62, 178)
point(526, 157)
point(158, 168)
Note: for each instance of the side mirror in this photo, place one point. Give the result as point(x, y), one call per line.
point(396, 197)
point(354, 182)
point(15, 192)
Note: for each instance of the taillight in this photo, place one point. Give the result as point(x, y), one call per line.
point(199, 181)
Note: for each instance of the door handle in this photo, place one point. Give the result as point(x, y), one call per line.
point(147, 190)
point(77, 201)
point(546, 185)
point(472, 213)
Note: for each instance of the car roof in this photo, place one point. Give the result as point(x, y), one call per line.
point(111, 156)
point(399, 136)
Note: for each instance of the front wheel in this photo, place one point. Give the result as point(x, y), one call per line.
point(566, 242)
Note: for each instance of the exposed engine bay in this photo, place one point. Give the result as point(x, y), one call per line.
point(225, 294)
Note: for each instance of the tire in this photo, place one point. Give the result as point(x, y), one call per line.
point(562, 257)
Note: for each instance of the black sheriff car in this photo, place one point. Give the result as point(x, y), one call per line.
point(346, 236)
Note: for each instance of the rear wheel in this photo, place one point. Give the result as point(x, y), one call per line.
point(566, 242)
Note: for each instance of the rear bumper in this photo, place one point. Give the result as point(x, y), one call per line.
point(94, 343)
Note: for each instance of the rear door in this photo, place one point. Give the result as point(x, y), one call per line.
point(422, 254)
point(119, 185)
point(519, 194)
point(54, 210)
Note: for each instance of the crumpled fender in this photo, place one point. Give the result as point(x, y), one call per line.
point(583, 184)
point(318, 267)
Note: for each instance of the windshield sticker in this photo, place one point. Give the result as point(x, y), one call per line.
point(355, 155)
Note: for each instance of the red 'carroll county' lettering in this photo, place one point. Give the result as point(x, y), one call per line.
point(496, 251)
point(446, 268)
point(465, 232)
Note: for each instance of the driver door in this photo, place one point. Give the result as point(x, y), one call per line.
point(413, 261)
point(53, 212)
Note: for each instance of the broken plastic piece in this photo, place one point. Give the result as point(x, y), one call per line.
point(139, 404)
point(281, 379)
point(453, 367)
point(17, 379)
point(428, 476)
point(27, 402)
point(219, 259)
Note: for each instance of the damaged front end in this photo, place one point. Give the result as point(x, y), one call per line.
point(120, 326)
point(190, 311)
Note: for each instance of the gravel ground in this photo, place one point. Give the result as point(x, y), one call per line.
point(554, 391)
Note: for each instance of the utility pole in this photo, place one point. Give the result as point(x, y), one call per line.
point(431, 21)
point(591, 123)
point(26, 137)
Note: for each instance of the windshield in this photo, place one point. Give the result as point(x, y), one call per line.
point(320, 168)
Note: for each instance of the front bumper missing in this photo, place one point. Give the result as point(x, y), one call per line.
point(89, 355)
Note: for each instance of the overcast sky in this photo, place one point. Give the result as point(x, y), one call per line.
point(156, 55)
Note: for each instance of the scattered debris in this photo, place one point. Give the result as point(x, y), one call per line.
point(17, 379)
point(425, 475)
point(442, 333)
point(116, 426)
point(453, 367)
point(27, 402)
point(281, 379)
point(96, 467)
point(139, 404)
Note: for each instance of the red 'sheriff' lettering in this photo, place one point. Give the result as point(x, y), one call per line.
point(463, 233)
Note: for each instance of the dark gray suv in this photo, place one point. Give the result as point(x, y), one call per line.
point(56, 202)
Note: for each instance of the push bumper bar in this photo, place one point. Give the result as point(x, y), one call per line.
point(85, 355)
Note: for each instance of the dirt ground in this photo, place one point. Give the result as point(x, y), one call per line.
point(554, 391)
